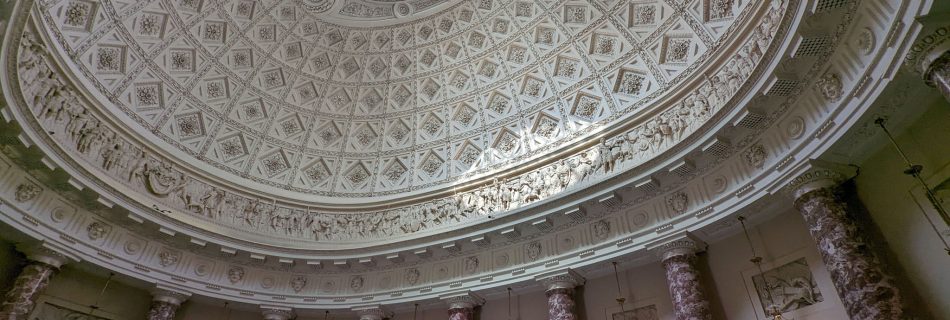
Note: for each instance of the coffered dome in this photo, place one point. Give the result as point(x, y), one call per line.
point(297, 118)
point(417, 146)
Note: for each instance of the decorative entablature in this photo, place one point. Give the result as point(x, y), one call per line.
point(744, 168)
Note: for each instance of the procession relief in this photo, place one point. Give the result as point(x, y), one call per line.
point(63, 114)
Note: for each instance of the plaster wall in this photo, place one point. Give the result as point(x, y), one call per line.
point(897, 205)
point(10, 264)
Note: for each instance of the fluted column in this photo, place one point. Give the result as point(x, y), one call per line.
point(165, 303)
point(276, 313)
point(371, 312)
point(682, 276)
point(462, 305)
point(20, 300)
point(865, 289)
point(560, 292)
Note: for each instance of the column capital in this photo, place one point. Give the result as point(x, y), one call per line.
point(463, 300)
point(169, 295)
point(929, 48)
point(561, 279)
point(373, 312)
point(817, 174)
point(276, 312)
point(684, 244)
point(48, 254)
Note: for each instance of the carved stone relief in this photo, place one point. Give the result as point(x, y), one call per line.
point(678, 202)
point(26, 192)
point(235, 274)
point(96, 230)
point(830, 86)
point(755, 156)
point(601, 229)
point(412, 276)
point(168, 258)
point(298, 283)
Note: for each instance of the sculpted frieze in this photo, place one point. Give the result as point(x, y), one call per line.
point(80, 130)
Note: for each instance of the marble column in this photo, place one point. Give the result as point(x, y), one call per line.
point(371, 312)
point(43, 263)
point(560, 292)
point(165, 302)
point(276, 313)
point(930, 55)
point(866, 291)
point(462, 305)
point(938, 74)
point(682, 276)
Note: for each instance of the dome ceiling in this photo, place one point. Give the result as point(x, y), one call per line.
point(117, 108)
point(312, 119)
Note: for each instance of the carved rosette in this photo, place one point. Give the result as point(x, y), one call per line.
point(165, 303)
point(682, 276)
point(866, 291)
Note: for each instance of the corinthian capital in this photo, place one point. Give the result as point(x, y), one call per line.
point(561, 279)
point(463, 300)
point(375, 312)
point(684, 244)
point(818, 175)
point(169, 295)
point(47, 253)
point(276, 312)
